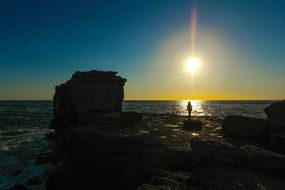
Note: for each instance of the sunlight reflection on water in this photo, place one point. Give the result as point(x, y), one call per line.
point(197, 109)
point(218, 109)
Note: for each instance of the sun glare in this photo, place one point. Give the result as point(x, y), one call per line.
point(192, 64)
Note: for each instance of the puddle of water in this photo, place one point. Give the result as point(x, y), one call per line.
point(170, 125)
point(194, 134)
point(144, 131)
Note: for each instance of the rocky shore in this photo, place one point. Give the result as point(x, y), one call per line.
point(101, 147)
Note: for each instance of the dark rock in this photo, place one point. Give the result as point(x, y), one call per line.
point(277, 136)
point(131, 158)
point(52, 136)
point(192, 124)
point(130, 117)
point(166, 180)
point(151, 158)
point(109, 118)
point(232, 178)
point(83, 176)
point(206, 151)
point(276, 112)
point(86, 92)
point(98, 118)
point(18, 187)
point(245, 127)
point(264, 160)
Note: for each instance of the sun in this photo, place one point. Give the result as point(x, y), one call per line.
point(193, 64)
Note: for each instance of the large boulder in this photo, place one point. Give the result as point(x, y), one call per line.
point(217, 152)
point(276, 112)
point(264, 160)
point(87, 92)
point(277, 136)
point(245, 127)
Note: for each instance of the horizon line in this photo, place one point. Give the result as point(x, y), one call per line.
point(160, 99)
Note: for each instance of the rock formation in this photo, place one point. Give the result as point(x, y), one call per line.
point(89, 97)
point(206, 151)
point(276, 112)
point(276, 115)
point(245, 127)
point(277, 136)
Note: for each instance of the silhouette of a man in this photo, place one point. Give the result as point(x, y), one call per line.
point(189, 109)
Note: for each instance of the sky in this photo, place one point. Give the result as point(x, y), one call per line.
point(240, 44)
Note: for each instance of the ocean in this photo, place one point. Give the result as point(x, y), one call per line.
point(23, 125)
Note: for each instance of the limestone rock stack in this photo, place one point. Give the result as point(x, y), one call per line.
point(92, 92)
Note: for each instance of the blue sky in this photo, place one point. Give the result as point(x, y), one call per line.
point(43, 42)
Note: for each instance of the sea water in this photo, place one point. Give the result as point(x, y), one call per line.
point(23, 125)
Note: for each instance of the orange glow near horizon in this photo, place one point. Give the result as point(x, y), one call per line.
point(203, 98)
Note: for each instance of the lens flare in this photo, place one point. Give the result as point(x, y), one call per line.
point(193, 64)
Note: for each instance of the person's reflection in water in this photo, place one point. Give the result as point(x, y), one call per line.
point(189, 109)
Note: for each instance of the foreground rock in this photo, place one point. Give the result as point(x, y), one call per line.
point(206, 151)
point(133, 159)
point(192, 124)
point(245, 127)
point(264, 160)
point(277, 136)
point(216, 152)
point(164, 180)
point(232, 178)
point(276, 112)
